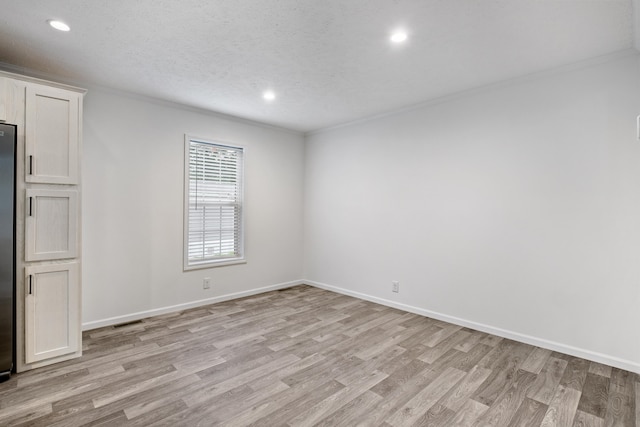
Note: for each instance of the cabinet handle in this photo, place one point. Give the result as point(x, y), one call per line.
point(30, 165)
point(30, 284)
point(30, 206)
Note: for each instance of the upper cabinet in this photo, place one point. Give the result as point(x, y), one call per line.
point(51, 135)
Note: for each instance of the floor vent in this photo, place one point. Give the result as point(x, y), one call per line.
point(122, 325)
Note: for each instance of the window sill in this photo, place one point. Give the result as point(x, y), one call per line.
point(214, 264)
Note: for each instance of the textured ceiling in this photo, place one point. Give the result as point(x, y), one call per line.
point(329, 61)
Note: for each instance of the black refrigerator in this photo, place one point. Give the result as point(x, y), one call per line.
point(7, 247)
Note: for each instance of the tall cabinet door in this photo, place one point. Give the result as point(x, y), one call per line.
point(51, 135)
point(3, 99)
point(51, 224)
point(52, 314)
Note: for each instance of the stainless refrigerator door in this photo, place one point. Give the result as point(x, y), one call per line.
point(7, 189)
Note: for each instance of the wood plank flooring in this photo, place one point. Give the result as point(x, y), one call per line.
point(309, 357)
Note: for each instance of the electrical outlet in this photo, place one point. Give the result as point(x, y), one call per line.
point(395, 286)
point(206, 283)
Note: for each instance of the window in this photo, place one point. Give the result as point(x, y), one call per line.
point(213, 223)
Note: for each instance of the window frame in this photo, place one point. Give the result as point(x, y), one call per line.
point(211, 263)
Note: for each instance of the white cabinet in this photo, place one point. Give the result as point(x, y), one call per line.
point(48, 118)
point(3, 99)
point(51, 224)
point(51, 135)
point(52, 314)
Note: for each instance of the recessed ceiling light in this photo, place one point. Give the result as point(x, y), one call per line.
point(59, 25)
point(269, 95)
point(398, 36)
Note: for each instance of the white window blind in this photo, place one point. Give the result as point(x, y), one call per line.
point(213, 203)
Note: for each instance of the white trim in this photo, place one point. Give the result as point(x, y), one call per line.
point(242, 259)
point(527, 339)
point(27, 74)
point(636, 24)
point(47, 82)
point(214, 263)
point(516, 336)
point(184, 306)
point(483, 89)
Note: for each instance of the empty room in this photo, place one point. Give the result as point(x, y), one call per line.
point(320, 213)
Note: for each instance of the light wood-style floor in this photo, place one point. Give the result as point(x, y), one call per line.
point(305, 356)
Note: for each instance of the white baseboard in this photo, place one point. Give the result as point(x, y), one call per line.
point(527, 339)
point(184, 306)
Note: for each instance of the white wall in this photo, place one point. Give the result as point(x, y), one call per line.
point(515, 207)
point(132, 207)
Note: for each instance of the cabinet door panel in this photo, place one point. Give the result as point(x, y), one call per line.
point(51, 224)
point(51, 135)
point(52, 315)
